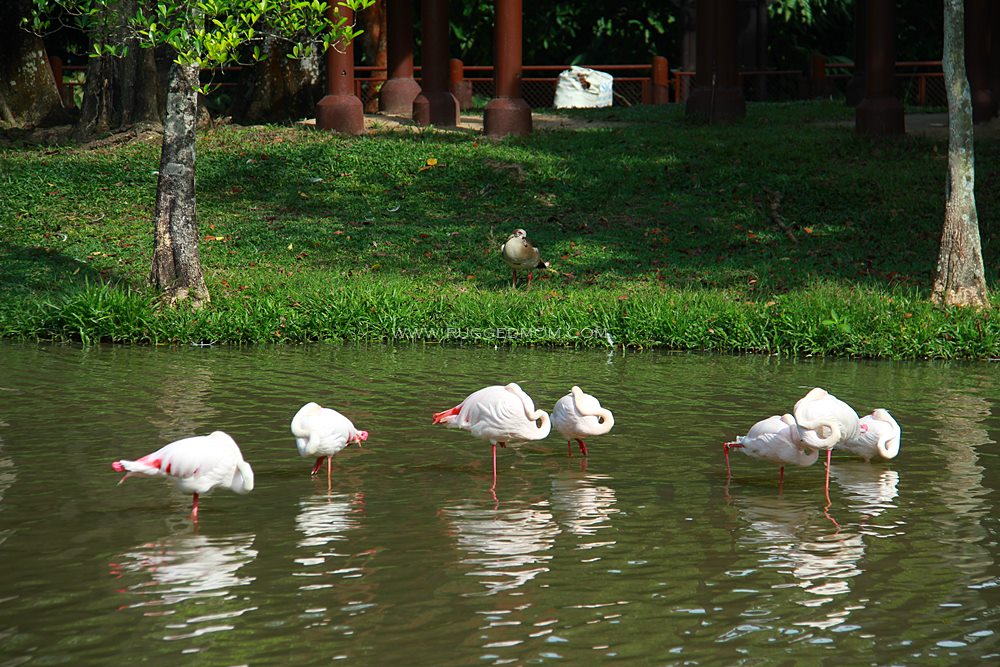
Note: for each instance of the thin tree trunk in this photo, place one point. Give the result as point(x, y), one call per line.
point(176, 266)
point(960, 277)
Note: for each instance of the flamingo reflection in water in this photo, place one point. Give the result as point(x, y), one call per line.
point(506, 547)
point(324, 522)
point(868, 490)
point(785, 535)
point(584, 508)
point(187, 567)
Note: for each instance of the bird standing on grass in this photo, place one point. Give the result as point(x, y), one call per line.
point(579, 415)
point(498, 415)
point(322, 432)
point(878, 435)
point(521, 254)
point(196, 465)
point(775, 440)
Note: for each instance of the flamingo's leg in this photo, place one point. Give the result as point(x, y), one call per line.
point(826, 484)
point(583, 446)
point(494, 485)
point(329, 473)
point(514, 278)
point(569, 448)
point(319, 462)
point(194, 507)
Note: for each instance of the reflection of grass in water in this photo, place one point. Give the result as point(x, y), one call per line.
point(657, 230)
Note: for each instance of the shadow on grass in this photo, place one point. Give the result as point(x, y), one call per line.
point(658, 202)
point(35, 271)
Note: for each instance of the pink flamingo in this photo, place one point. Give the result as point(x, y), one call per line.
point(322, 432)
point(775, 440)
point(878, 435)
point(824, 422)
point(196, 465)
point(498, 415)
point(579, 415)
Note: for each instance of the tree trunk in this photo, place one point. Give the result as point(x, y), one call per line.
point(119, 92)
point(28, 93)
point(279, 88)
point(960, 278)
point(176, 266)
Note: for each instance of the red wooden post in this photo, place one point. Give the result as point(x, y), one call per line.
point(880, 112)
point(855, 91)
point(819, 84)
point(340, 110)
point(459, 87)
point(435, 105)
point(716, 95)
point(56, 65)
point(507, 113)
point(399, 91)
point(995, 49)
point(977, 56)
point(661, 80)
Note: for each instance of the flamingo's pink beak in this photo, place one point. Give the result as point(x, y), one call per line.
point(362, 436)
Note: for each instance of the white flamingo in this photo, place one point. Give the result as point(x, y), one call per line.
point(579, 415)
point(196, 465)
point(775, 440)
point(498, 414)
point(824, 422)
point(322, 432)
point(878, 435)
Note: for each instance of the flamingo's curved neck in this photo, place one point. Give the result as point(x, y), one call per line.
point(830, 440)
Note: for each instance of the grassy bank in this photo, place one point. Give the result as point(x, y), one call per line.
point(784, 234)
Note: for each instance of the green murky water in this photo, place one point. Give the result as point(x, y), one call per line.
point(642, 554)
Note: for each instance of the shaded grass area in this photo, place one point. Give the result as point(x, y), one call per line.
point(659, 232)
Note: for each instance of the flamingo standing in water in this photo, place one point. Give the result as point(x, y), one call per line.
point(579, 415)
point(498, 415)
point(775, 440)
point(322, 432)
point(878, 435)
point(824, 422)
point(196, 465)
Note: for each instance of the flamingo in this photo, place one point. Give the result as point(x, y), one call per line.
point(322, 432)
point(521, 254)
point(578, 415)
point(196, 465)
point(775, 440)
point(878, 435)
point(498, 415)
point(824, 422)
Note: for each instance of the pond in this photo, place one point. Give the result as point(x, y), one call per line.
point(643, 553)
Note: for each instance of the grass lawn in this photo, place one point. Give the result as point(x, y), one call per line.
point(660, 233)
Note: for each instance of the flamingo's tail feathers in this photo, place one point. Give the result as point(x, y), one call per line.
point(446, 416)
